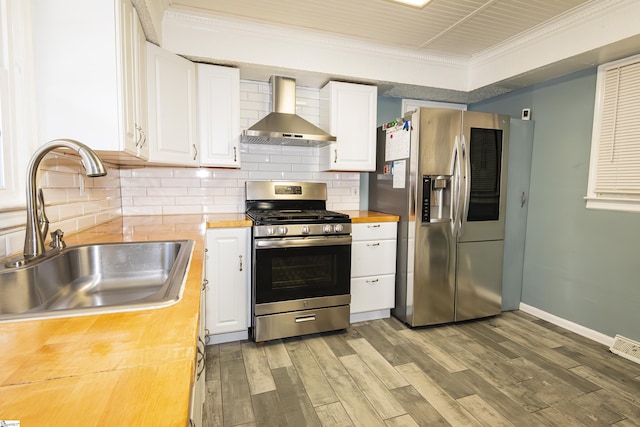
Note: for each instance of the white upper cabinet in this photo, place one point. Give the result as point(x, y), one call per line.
point(171, 89)
point(142, 120)
point(86, 58)
point(17, 108)
point(348, 112)
point(219, 115)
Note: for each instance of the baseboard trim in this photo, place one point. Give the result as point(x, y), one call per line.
point(370, 315)
point(228, 337)
point(567, 324)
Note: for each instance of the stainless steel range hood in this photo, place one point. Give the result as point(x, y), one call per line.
point(282, 126)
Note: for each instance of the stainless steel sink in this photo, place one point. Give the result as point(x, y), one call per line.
point(96, 278)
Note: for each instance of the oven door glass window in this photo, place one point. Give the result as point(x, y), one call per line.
point(283, 274)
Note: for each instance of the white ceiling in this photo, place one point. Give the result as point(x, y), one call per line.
point(451, 50)
point(454, 27)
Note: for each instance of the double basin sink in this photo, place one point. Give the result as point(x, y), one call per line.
point(96, 278)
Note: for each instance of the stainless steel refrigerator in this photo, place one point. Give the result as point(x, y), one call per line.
point(444, 173)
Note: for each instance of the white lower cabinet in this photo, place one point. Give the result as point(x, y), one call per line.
point(198, 391)
point(228, 275)
point(373, 270)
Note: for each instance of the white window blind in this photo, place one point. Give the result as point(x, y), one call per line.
point(614, 178)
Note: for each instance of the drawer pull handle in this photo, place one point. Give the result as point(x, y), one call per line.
point(372, 281)
point(374, 226)
point(373, 244)
point(308, 318)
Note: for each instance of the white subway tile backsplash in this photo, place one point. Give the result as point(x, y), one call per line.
point(303, 167)
point(199, 173)
point(153, 172)
point(182, 209)
point(15, 242)
point(275, 167)
point(141, 210)
point(140, 182)
point(184, 201)
point(207, 191)
point(53, 179)
point(153, 201)
point(135, 191)
point(167, 191)
point(179, 182)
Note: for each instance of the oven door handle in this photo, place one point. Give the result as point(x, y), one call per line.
point(296, 242)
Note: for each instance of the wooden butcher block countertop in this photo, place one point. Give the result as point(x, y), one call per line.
point(370, 216)
point(121, 369)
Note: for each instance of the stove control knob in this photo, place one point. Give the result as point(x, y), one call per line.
point(270, 231)
point(338, 228)
point(327, 228)
point(305, 229)
point(282, 231)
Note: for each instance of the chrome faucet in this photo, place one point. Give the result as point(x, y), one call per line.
point(37, 227)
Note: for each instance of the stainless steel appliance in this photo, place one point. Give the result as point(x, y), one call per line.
point(301, 260)
point(283, 126)
point(444, 173)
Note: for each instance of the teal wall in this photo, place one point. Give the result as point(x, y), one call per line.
point(389, 109)
point(580, 264)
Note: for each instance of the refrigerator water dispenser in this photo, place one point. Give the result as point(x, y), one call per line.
point(436, 202)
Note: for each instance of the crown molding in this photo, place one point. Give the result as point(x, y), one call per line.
point(578, 16)
point(585, 37)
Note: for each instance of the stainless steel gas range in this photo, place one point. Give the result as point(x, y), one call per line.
point(301, 260)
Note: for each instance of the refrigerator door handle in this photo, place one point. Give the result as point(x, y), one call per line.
point(455, 193)
point(467, 185)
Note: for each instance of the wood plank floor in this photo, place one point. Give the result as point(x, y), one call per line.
point(510, 370)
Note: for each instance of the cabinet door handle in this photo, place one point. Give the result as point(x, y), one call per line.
point(139, 134)
point(335, 156)
point(144, 138)
point(373, 244)
point(195, 151)
point(372, 281)
point(235, 154)
point(240, 262)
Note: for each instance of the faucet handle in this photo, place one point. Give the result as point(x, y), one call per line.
point(56, 240)
point(42, 215)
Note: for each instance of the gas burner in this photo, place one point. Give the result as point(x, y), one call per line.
point(284, 216)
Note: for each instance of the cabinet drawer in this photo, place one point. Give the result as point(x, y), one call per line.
point(372, 293)
point(374, 231)
point(372, 258)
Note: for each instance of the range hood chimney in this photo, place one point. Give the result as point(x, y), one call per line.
point(282, 126)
